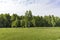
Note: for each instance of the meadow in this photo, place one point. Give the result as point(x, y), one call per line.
point(49, 33)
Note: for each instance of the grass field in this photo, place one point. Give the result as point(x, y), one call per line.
point(30, 33)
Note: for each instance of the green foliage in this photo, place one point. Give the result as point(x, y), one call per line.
point(16, 23)
point(28, 20)
point(7, 19)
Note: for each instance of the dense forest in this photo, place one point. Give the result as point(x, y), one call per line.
point(28, 20)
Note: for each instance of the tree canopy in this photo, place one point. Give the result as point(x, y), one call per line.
point(28, 20)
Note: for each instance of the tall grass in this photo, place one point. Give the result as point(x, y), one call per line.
point(30, 33)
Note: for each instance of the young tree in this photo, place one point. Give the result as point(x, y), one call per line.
point(16, 23)
point(7, 19)
point(28, 18)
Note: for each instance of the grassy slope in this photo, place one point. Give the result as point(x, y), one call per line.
point(29, 33)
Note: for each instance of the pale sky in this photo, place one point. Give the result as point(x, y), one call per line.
point(38, 7)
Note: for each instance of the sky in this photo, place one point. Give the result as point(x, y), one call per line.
point(38, 7)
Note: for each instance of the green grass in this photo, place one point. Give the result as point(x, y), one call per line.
point(30, 33)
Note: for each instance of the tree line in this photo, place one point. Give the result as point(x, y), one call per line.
point(28, 20)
